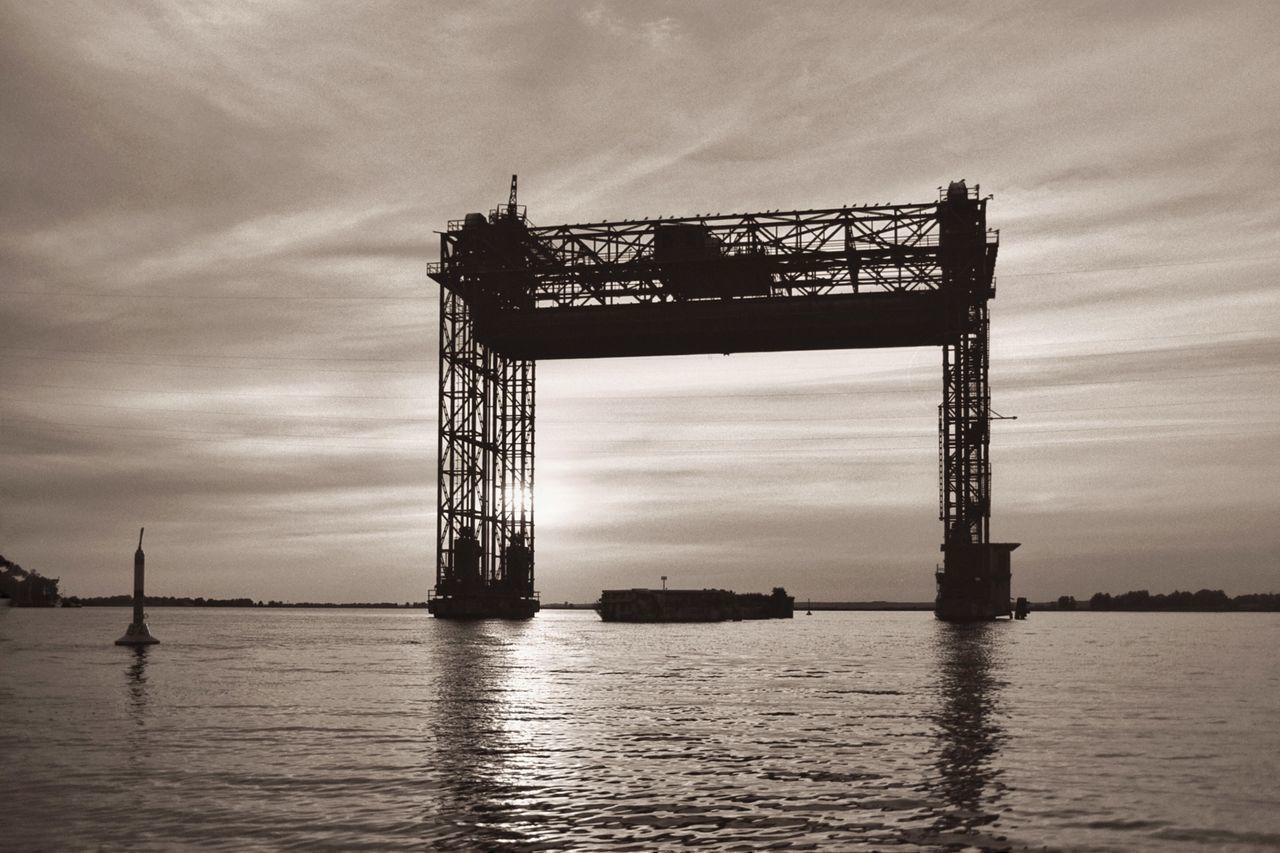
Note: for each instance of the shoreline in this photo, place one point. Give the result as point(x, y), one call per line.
point(816, 606)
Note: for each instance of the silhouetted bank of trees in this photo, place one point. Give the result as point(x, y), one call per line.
point(1207, 600)
point(26, 588)
point(177, 601)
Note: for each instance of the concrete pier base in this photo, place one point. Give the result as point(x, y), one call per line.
point(483, 605)
point(974, 583)
point(137, 634)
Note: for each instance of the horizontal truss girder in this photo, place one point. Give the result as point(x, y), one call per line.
point(813, 252)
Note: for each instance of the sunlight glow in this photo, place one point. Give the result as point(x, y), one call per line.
point(553, 503)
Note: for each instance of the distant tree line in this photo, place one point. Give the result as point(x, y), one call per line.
point(26, 588)
point(1206, 600)
point(181, 601)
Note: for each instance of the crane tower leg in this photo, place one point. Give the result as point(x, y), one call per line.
point(484, 523)
point(974, 581)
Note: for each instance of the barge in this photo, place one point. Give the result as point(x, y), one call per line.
point(692, 605)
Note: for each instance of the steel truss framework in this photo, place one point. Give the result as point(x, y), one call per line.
point(880, 275)
point(890, 248)
point(485, 486)
point(964, 436)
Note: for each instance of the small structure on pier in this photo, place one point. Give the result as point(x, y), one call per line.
point(138, 634)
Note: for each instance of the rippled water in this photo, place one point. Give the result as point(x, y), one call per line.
point(840, 731)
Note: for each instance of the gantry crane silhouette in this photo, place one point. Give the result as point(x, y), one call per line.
point(511, 293)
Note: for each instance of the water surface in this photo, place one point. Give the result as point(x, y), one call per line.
point(840, 731)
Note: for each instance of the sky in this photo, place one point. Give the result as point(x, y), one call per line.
point(215, 319)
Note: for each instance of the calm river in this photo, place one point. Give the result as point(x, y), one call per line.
point(841, 731)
